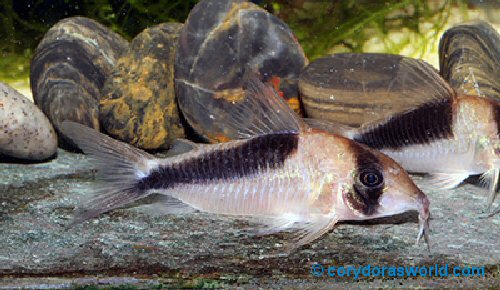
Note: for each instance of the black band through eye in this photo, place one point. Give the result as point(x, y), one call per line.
point(371, 178)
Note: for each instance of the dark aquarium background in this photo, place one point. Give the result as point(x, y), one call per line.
point(25, 22)
point(408, 27)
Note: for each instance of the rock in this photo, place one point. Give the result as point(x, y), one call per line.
point(138, 104)
point(220, 44)
point(25, 132)
point(469, 59)
point(355, 88)
point(137, 246)
point(69, 68)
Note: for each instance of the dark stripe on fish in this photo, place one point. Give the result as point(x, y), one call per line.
point(258, 153)
point(428, 122)
point(364, 198)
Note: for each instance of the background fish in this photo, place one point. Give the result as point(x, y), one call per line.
point(448, 136)
point(283, 175)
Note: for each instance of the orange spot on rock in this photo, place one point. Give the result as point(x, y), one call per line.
point(275, 82)
point(217, 138)
point(222, 138)
point(294, 104)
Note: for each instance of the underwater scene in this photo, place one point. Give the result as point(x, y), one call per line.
point(249, 144)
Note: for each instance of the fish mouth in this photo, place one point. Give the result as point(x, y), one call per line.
point(423, 219)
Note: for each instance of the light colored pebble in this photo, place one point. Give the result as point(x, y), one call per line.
point(25, 132)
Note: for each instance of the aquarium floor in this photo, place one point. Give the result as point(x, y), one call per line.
point(142, 248)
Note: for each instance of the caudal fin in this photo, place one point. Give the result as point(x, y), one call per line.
point(119, 167)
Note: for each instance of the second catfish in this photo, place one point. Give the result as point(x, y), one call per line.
point(431, 129)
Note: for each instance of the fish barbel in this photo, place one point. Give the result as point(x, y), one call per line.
point(449, 136)
point(283, 174)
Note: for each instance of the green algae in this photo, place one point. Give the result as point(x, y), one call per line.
point(322, 27)
point(15, 66)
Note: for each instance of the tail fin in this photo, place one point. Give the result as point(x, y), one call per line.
point(119, 168)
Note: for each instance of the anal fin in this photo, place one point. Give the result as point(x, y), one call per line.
point(160, 204)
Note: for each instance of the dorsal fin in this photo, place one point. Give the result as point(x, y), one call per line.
point(181, 146)
point(416, 81)
point(266, 111)
point(254, 109)
point(424, 89)
point(331, 127)
point(422, 82)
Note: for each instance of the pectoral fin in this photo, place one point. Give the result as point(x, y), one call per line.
point(271, 225)
point(491, 179)
point(302, 231)
point(310, 232)
point(448, 180)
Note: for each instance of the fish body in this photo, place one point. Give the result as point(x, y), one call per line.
point(446, 134)
point(450, 138)
point(283, 174)
point(275, 174)
point(452, 135)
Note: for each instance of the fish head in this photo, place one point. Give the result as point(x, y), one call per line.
point(400, 193)
point(381, 187)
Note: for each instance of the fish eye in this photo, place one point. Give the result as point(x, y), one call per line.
point(371, 178)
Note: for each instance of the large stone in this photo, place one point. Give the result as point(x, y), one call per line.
point(25, 132)
point(221, 44)
point(356, 88)
point(469, 59)
point(69, 68)
point(138, 104)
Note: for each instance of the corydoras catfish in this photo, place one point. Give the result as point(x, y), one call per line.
point(449, 136)
point(282, 174)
